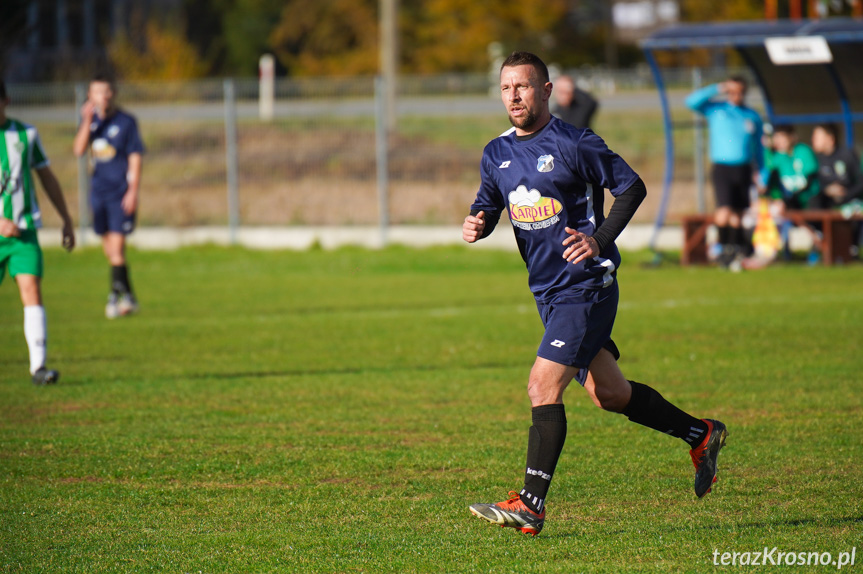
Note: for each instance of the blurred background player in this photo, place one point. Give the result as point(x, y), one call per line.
point(790, 170)
point(572, 104)
point(790, 178)
point(839, 173)
point(840, 176)
point(735, 147)
point(20, 152)
point(116, 152)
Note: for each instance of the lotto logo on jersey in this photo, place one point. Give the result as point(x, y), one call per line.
point(530, 210)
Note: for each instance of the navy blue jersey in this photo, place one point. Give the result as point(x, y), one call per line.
point(546, 183)
point(112, 140)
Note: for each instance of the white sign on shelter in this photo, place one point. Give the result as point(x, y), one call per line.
point(798, 50)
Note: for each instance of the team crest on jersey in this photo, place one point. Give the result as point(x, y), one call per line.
point(529, 210)
point(113, 131)
point(545, 163)
point(839, 168)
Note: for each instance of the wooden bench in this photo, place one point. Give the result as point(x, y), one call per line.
point(835, 241)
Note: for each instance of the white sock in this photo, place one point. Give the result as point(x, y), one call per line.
point(36, 333)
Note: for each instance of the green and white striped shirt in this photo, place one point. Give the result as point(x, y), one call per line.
point(20, 152)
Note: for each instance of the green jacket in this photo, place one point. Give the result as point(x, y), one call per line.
point(792, 177)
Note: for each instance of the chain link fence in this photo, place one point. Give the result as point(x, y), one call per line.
point(213, 160)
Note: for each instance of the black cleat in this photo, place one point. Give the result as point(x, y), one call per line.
point(45, 376)
point(704, 456)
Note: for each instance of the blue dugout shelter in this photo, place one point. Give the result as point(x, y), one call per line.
point(809, 71)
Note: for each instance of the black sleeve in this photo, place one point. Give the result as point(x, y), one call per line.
point(622, 210)
point(491, 220)
point(855, 187)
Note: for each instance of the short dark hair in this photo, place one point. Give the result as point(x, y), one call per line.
point(102, 77)
point(3, 94)
point(740, 80)
point(785, 129)
point(527, 59)
point(831, 129)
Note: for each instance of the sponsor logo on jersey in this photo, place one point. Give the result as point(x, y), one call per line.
point(557, 343)
point(545, 163)
point(505, 164)
point(102, 150)
point(839, 168)
point(529, 210)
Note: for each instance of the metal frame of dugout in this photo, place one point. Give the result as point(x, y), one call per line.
point(800, 83)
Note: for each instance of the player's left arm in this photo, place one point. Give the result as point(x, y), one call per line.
point(55, 194)
point(580, 246)
point(595, 163)
point(133, 178)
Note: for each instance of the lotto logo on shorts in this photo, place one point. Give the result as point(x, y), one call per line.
point(557, 343)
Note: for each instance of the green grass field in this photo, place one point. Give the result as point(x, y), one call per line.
point(338, 412)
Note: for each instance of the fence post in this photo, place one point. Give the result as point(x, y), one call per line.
point(382, 155)
point(266, 87)
point(231, 160)
point(83, 179)
point(699, 148)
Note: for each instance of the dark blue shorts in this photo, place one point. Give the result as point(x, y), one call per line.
point(578, 324)
point(108, 215)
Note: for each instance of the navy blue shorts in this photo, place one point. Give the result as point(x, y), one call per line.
point(578, 325)
point(108, 215)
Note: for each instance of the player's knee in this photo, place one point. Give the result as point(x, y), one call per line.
point(28, 287)
point(608, 399)
point(542, 392)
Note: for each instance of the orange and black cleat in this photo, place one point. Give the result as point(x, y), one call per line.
point(704, 456)
point(512, 513)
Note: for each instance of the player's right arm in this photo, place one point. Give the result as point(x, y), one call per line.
point(487, 207)
point(473, 227)
point(82, 137)
point(699, 100)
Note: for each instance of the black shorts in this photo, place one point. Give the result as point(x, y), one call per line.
point(731, 184)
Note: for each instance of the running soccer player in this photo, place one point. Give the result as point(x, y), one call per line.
point(20, 152)
point(550, 177)
point(116, 152)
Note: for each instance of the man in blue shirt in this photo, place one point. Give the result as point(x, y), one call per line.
point(550, 177)
point(735, 146)
point(116, 152)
